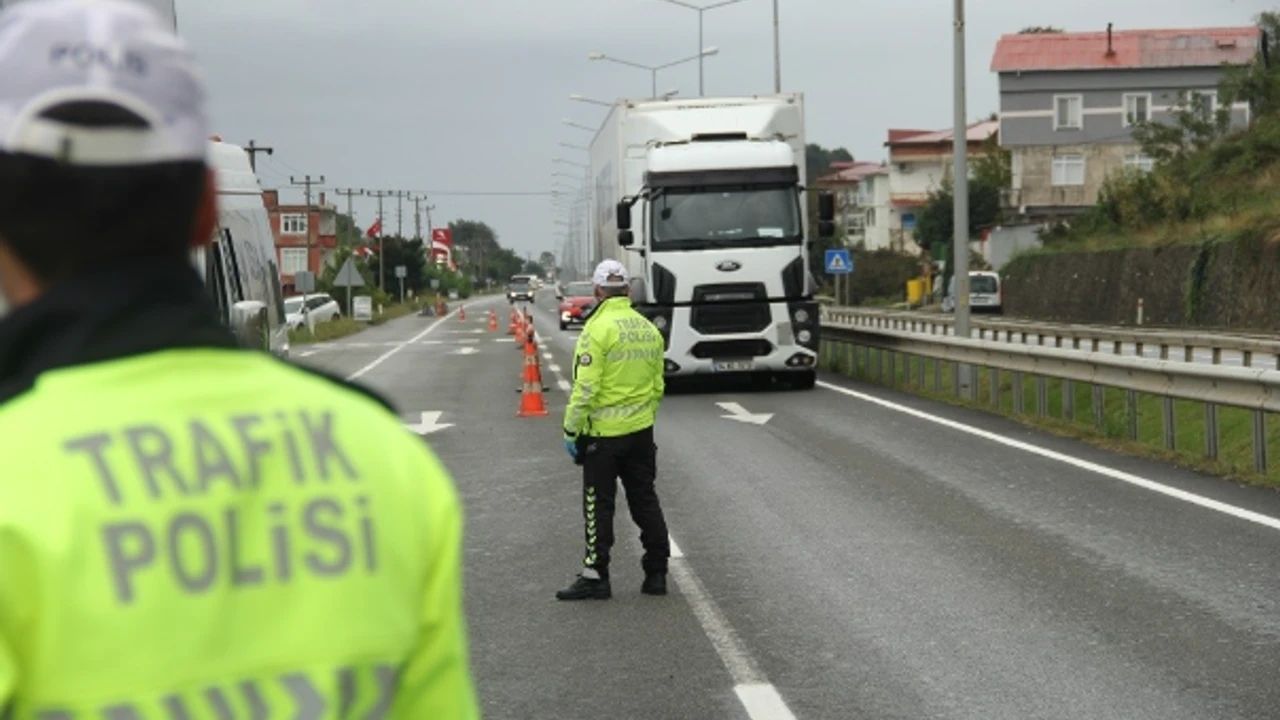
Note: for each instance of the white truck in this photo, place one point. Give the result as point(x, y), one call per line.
point(719, 249)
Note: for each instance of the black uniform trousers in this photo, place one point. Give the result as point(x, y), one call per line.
point(633, 459)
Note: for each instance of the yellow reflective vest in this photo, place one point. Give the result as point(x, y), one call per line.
point(214, 534)
point(617, 372)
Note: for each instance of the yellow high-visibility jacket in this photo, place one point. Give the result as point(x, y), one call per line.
point(617, 373)
point(211, 533)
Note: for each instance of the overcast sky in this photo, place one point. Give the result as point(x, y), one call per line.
point(468, 95)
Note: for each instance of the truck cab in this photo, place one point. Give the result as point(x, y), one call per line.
point(722, 239)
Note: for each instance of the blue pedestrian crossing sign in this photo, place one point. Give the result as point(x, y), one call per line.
point(839, 262)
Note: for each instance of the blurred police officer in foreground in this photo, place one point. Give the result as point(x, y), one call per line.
point(186, 529)
point(608, 429)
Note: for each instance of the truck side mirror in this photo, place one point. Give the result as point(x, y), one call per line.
point(626, 238)
point(624, 215)
point(826, 208)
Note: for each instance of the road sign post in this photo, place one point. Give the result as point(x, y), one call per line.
point(348, 277)
point(839, 262)
point(401, 272)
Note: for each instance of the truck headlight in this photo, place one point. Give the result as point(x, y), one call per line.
point(802, 317)
point(804, 336)
point(660, 322)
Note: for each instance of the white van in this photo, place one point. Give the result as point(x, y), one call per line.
point(239, 266)
point(985, 293)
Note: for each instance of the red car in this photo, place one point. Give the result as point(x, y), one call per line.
point(576, 303)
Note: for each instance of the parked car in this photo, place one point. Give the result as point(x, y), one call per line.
point(985, 293)
point(578, 302)
point(520, 290)
point(310, 310)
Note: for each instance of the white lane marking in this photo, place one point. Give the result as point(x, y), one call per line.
point(564, 385)
point(547, 356)
point(308, 353)
point(754, 691)
point(1135, 480)
point(676, 552)
point(553, 368)
point(740, 414)
point(383, 358)
point(763, 702)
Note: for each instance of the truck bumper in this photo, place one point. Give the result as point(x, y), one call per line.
point(788, 344)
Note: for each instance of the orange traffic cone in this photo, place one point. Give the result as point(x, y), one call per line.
point(521, 339)
point(515, 322)
point(493, 321)
point(532, 369)
point(531, 404)
point(462, 313)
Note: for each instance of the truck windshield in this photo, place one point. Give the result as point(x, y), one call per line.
point(701, 218)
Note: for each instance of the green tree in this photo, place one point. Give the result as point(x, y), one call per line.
point(991, 172)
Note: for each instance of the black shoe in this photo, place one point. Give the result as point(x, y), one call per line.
point(654, 584)
point(586, 589)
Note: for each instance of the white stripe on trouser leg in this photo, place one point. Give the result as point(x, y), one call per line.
point(676, 552)
point(754, 691)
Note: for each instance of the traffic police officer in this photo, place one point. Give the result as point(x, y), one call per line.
point(608, 429)
point(186, 529)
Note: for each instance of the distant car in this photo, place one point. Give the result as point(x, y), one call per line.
point(520, 291)
point(453, 294)
point(985, 293)
point(578, 302)
point(309, 310)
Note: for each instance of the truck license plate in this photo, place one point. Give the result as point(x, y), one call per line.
point(733, 365)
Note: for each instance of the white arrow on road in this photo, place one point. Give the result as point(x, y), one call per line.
point(430, 424)
point(740, 414)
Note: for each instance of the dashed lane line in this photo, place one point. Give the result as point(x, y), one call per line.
point(758, 696)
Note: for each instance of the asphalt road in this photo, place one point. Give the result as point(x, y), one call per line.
point(860, 554)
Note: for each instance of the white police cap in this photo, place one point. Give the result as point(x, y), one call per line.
point(115, 52)
point(610, 273)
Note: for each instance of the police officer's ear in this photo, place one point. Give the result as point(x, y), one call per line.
point(206, 219)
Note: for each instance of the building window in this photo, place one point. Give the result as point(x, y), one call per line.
point(908, 221)
point(293, 224)
point(1068, 112)
point(1068, 170)
point(1137, 108)
point(871, 217)
point(1208, 106)
point(1140, 162)
point(293, 260)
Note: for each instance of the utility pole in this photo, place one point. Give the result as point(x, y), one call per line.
point(382, 262)
point(253, 149)
point(400, 197)
point(960, 149)
point(349, 193)
point(417, 215)
point(307, 182)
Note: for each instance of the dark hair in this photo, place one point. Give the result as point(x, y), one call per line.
point(612, 291)
point(61, 220)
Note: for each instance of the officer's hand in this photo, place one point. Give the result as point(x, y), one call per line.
point(571, 447)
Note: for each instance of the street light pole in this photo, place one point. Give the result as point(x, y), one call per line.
point(702, 10)
point(653, 69)
point(777, 52)
point(960, 240)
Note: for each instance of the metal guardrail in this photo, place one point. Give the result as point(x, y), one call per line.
point(1073, 355)
point(1253, 351)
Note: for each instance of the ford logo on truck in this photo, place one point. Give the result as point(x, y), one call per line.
point(729, 266)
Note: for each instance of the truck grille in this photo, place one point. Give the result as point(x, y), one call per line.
point(728, 309)
point(731, 349)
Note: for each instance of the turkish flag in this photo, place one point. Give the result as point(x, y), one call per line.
point(375, 229)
